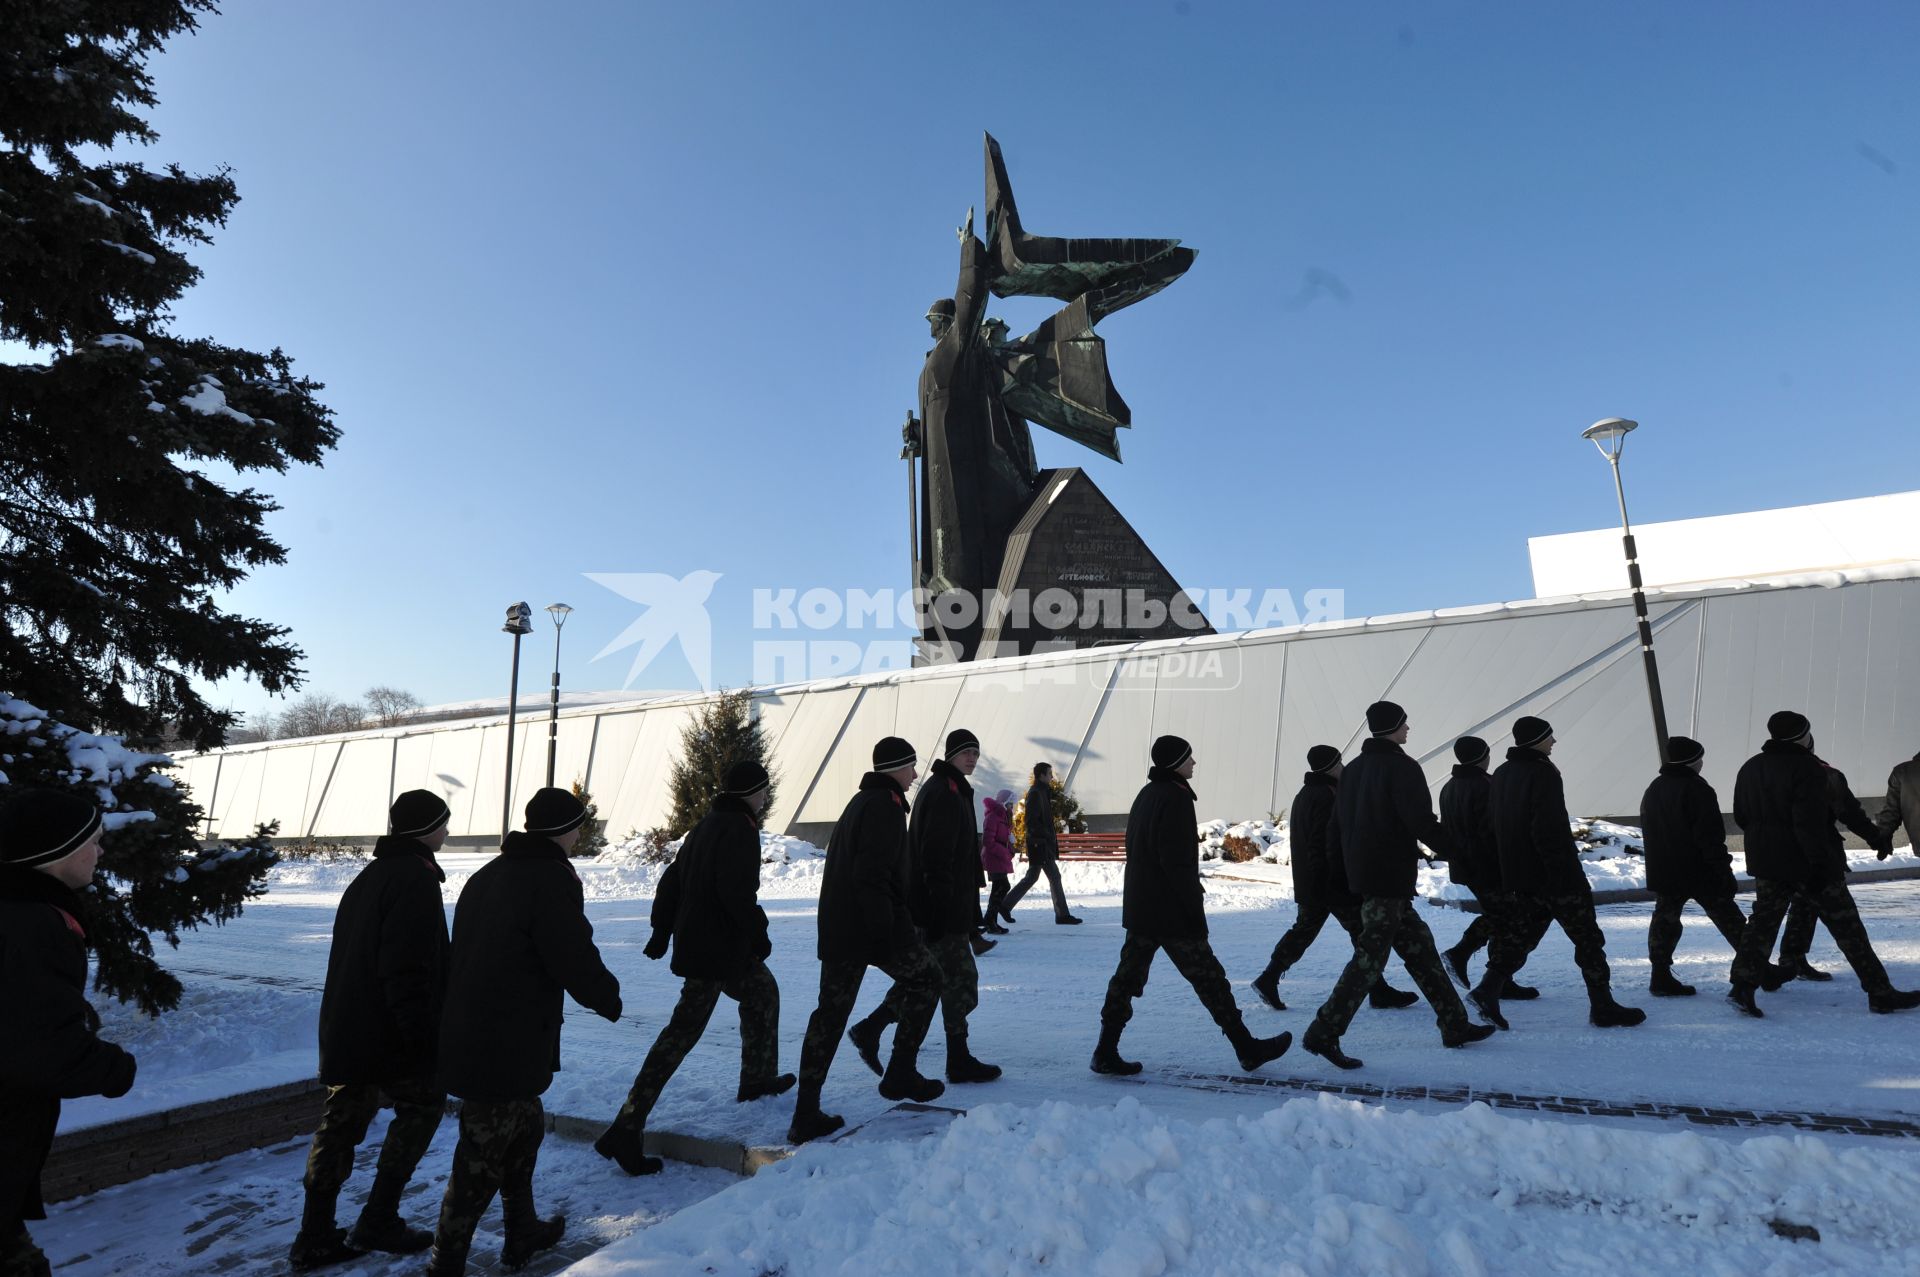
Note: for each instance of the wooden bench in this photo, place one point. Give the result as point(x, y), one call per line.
point(1111, 846)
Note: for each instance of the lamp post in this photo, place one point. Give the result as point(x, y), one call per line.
point(559, 612)
point(519, 624)
point(1610, 437)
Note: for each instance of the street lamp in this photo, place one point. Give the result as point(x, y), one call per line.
point(1610, 437)
point(519, 624)
point(559, 612)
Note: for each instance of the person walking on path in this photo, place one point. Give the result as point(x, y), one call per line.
point(996, 855)
point(1319, 883)
point(521, 945)
point(864, 921)
point(1043, 850)
point(1385, 812)
point(1685, 844)
point(50, 1047)
point(379, 1033)
point(1540, 863)
point(1466, 813)
point(1163, 907)
point(1782, 804)
point(707, 908)
point(1796, 938)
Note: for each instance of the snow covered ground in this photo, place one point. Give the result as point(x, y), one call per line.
point(1060, 1170)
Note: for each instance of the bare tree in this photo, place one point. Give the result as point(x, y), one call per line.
point(391, 706)
point(317, 714)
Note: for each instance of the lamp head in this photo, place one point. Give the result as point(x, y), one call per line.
point(558, 611)
point(519, 620)
point(1610, 435)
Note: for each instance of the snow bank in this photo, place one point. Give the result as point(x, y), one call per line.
point(1312, 1187)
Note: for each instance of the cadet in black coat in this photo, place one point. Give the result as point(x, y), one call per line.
point(50, 1048)
point(1385, 813)
point(1319, 883)
point(1540, 863)
point(707, 907)
point(865, 920)
point(1796, 938)
point(1466, 813)
point(1685, 843)
point(521, 945)
point(379, 1032)
point(1163, 908)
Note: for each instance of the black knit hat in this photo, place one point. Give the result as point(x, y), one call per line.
point(1170, 751)
point(554, 811)
point(1469, 750)
point(1321, 757)
point(1788, 725)
point(1684, 749)
point(1384, 718)
point(40, 826)
point(744, 780)
point(892, 753)
point(1528, 730)
point(959, 740)
point(417, 813)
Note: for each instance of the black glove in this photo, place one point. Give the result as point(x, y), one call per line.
point(657, 946)
point(120, 1081)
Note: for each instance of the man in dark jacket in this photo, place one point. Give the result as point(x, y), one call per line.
point(1162, 906)
point(1043, 850)
point(1540, 863)
point(50, 1048)
point(1902, 806)
point(707, 907)
point(943, 867)
point(1796, 938)
point(865, 921)
point(1319, 883)
point(1782, 805)
point(1685, 843)
point(1385, 813)
point(379, 1030)
point(521, 945)
point(1466, 813)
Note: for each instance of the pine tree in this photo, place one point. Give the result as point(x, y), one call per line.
point(593, 834)
point(724, 731)
point(154, 876)
point(115, 536)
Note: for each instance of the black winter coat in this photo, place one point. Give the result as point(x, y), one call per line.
point(49, 1044)
point(521, 942)
point(1684, 836)
point(387, 970)
point(708, 901)
point(1313, 845)
point(1385, 811)
point(1466, 813)
point(1162, 897)
point(1538, 855)
point(943, 854)
point(1903, 802)
point(1780, 802)
point(1042, 839)
point(863, 890)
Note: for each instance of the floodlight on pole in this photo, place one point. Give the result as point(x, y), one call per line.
point(519, 624)
point(1609, 435)
point(559, 612)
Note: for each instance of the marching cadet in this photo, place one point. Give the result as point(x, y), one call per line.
point(1466, 813)
point(1796, 938)
point(1686, 848)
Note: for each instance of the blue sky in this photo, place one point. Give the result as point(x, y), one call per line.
point(622, 288)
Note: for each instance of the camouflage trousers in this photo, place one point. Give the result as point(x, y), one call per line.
point(758, 994)
point(959, 988)
point(1526, 925)
point(1833, 904)
point(19, 1257)
point(1387, 923)
point(499, 1144)
point(1192, 958)
point(1663, 933)
point(916, 984)
point(417, 1108)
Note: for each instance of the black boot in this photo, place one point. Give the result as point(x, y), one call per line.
point(1467, 1032)
point(980, 943)
point(1384, 997)
point(1106, 1056)
point(1266, 986)
point(751, 1091)
point(380, 1226)
point(1798, 968)
point(526, 1233)
point(993, 928)
point(1253, 1052)
point(1741, 995)
point(1488, 1004)
point(1327, 1047)
point(449, 1259)
point(1893, 1000)
point(865, 1036)
point(626, 1147)
point(903, 1081)
point(962, 1067)
point(1519, 992)
point(1456, 963)
point(1067, 920)
point(1664, 985)
point(1609, 1014)
point(320, 1243)
point(1773, 976)
point(809, 1123)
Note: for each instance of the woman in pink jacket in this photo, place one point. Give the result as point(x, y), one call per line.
point(996, 854)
